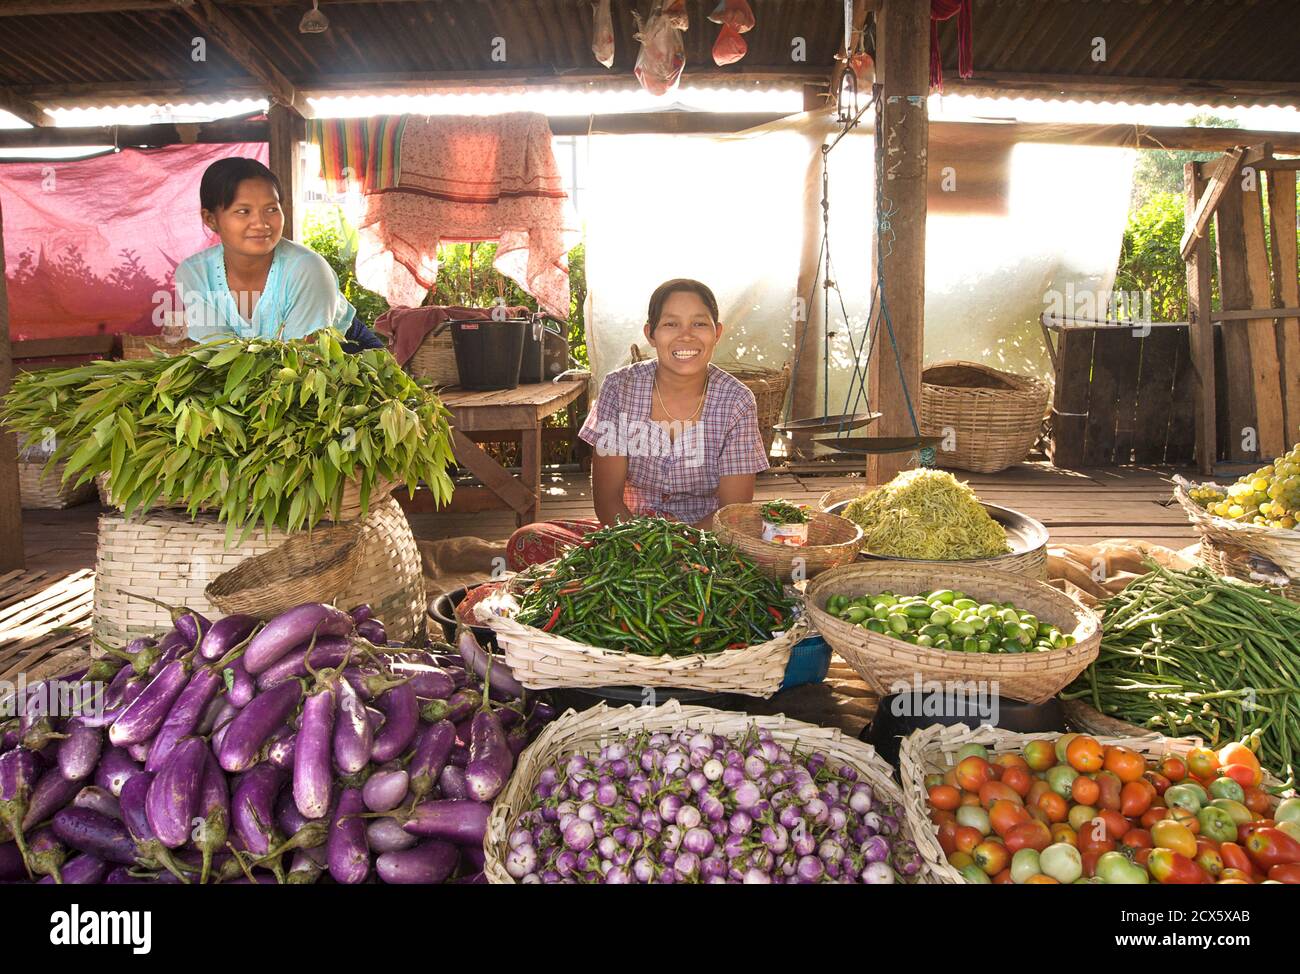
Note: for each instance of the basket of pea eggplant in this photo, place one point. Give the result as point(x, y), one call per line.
point(899, 622)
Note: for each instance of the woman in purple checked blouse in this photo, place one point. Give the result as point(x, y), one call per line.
point(673, 437)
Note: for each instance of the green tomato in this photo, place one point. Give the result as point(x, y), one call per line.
point(1239, 812)
point(1061, 779)
point(1291, 828)
point(933, 781)
point(1114, 868)
point(1062, 862)
point(1080, 815)
point(1288, 810)
point(974, 874)
point(1185, 796)
point(1024, 864)
point(1227, 788)
point(974, 817)
point(1217, 824)
point(971, 750)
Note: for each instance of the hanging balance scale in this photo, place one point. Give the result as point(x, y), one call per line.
point(836, 428)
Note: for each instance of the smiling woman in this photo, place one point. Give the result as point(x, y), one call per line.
point(674, 437)
point(255, 283)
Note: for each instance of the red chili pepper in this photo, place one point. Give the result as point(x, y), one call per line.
point(696, 641)
point(699, 619)
point(551, 621)
point(636, 545)
point(735, 645)
point(623, 623)
point(776, 613)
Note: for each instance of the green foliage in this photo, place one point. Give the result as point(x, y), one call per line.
point(325, 232)
point(1149, 259)
point(1162, 171)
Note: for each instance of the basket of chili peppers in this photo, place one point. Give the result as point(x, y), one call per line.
point(650, 602)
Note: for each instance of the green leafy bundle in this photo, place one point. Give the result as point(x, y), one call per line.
point(258, 430)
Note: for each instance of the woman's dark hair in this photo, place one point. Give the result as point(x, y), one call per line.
point(221, 181)
point(677, 284)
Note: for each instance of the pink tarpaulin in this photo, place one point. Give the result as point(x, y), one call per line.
point(90, 243)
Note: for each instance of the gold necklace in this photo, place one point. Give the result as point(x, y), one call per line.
point(664, 407)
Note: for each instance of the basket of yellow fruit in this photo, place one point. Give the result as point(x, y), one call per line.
point(1260, 512)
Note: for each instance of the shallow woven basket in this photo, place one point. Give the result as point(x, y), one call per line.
point(310, 566)
point(541, 660)
point(588, 731)
point(1235, 561)
point(1030, 560)
point(435, 360)
point(832, 541)
point(1281, 546)
point(994, 417)
point(883, 661)
point(170, 557)
point(47, 491)
point(145, 346)
point(1086, 719)
point(934, 749)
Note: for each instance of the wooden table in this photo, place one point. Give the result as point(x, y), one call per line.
point(507, 414)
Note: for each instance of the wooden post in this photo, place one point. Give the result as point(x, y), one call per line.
point(1265, 377)
point(1201, 330)
point(1237, 414)
point(285, 150)
point(903, 68)
point(1286, 290)
point(11, 508)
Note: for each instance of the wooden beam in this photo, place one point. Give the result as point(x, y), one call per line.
point(1199, 222)
point(243, 48)
point(665, 123)
point(1075, 85)
point(54, 347)
point(1236, 411)
point(144, 136)
point(1265, 375)
point(23, 108)
point(903, 70)
point(1201, 330)
point(11, 507)
point(284, 158)
point(1286, 291)
point(34, 8)
point(1245, 314)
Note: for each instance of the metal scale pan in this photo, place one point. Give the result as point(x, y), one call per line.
point(870, 445)
point(826, 424)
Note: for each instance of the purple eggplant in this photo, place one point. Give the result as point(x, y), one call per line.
point(139, 752)
point(473, 879)
point(490, 760)
point(462, 822)
point(455, 708)
point(52, 792)
point(147, 712)
point(281, 747)
point(40, 734)
point(292, 628)
point(384, 835)
point(116, 701)
point(98, 800)
point(432, 750)
point(517, 739)
point(225, 635)
point(451, 783)
point(185, 714)
point(12, 867)
point(96, 834)
point(327, 652)
point(173, 800)
point(18, 771)
point(459, 756)
point(486, 666)
point(402, 712)
point(211, 832)
point(256, 722)
point(385, 790)
point(82, 870)
point(287, 817)
point(361, 613)
point(187, 622)
point(428, 682)
point(47, 854)
point(429, 862)
point(473, 857)
point(372, 631)
point(354, 738)
point(346, 850)
point(253, 807)
point(116, 768)
point(307, 866)
point(312, 774)
point(240, 685)
point(79, 752)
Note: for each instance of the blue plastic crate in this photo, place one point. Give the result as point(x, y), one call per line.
point(810, 660)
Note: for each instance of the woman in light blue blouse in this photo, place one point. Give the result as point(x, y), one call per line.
point(255, 283)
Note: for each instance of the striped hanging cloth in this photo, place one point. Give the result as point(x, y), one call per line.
point(366, 149)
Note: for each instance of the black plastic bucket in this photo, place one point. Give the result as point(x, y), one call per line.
point(546, 352)
point(489, 353)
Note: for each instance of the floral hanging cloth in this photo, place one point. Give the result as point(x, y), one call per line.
point(471, 178)
point(946, 10)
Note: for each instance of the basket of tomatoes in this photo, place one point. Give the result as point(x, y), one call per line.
point(991, 806)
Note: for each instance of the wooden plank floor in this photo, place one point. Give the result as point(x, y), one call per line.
point(1077, 507)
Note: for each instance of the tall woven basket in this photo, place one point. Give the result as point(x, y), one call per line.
point(883, 661)
point(993, 417)
point(1233, 560)
point(588, 731)
point(146, 346)
point(169, 557)
point(435, 360)
point(46, 491)
point(934, 751)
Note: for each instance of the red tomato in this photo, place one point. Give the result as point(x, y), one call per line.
point(1167, 866)
point(1124, 763)
point(967, 838)
point(1136, 797)
point(1028, 835)
point(1003, 878)
point(1158, 781)
point(973, 772)
point(1202, 762)
point(1153, 815)
point(1239, 756)
point(1287, 872)
point(1270, 847)
point(1173, 768)
point(992, 791)
point(1258, 801)
point(1235, 857)
point(1242, 775)
point(1090, 863)
point(1085, 791)
point(945, 797)
point(1006, 815)
point(948, 837)
point(1137, 839)
point(1018, 780)
point(1110, 787)
point(1117, 825)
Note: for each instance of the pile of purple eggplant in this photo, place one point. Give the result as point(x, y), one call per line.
point(233, 751)
point(695, 807)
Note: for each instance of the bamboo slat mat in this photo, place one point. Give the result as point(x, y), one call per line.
point(43, 617)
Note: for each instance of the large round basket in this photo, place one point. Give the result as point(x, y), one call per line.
point(884, 662)
point(170, 557)
point(308, 566)
point(41, 490)
point(541, 660)
point(832, 541)
point(934, 751)
point(588, 731)
point(990, 418)
point(435, 360)
point(1281, 546)
point(1026, 536)
point(1233, 560)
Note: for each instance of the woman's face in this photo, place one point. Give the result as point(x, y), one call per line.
point(685, 334)
point(253, 223)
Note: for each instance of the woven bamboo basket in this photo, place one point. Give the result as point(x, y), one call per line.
point(586, 733)
point(1281, 546)
point(309, 566)
point(145, 346)
point(994, 416)
point(883, 661)
point(933, 751)
point(170, 557)
point(1027, 537)
point(541, 660)
point(1236, 562)
point(832, 541)
point(435, 360)
point(1086, 719)
point(40, 490)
